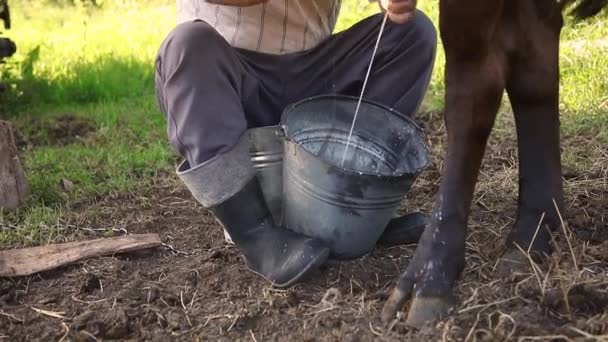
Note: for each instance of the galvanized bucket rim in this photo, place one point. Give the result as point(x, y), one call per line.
point(282, 131)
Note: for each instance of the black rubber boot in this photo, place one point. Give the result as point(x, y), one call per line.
point(281, 256)
point(404, 230)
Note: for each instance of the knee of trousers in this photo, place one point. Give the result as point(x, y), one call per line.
point(195, 39)
point(420, 34)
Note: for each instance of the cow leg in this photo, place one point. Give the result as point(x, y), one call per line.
point(474, 87)
point(533, 89)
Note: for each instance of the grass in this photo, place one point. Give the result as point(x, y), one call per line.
point(96, 64)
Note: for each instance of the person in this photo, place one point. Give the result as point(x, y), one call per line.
point(232, 65)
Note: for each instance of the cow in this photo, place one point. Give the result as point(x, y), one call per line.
point(490, 47)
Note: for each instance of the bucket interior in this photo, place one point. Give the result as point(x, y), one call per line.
point(383, 142)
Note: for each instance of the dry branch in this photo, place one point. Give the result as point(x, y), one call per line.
point(27, 261)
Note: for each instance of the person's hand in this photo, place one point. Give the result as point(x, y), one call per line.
point(237, 3)
point(399, 11)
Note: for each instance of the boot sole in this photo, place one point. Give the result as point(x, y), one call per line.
point(314, 264)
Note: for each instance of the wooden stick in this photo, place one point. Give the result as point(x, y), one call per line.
point(27, 261)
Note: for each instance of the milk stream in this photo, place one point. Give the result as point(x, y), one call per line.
point(369, 69)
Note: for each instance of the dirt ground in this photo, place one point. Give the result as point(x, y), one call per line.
point(197, 288)
point(59, 130)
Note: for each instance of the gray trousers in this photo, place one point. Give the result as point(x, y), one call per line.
point(211, 92)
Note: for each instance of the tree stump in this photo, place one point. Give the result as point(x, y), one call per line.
point(13, 187)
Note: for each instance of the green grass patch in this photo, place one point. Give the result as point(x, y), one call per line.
point(82, 54)
point(124, 149)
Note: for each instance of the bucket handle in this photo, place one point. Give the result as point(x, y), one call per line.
point(281, 131)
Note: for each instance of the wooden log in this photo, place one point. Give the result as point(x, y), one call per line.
point(13, 187)
point(28, 261)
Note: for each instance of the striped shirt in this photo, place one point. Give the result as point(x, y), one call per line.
point(276, 27)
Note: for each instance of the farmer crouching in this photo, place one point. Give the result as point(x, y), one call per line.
point(233, 65)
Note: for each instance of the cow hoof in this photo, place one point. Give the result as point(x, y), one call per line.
point(427, 309)
point(511, 263)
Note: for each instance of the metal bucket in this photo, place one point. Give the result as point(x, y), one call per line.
point(267, 157)
point(347, 206)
